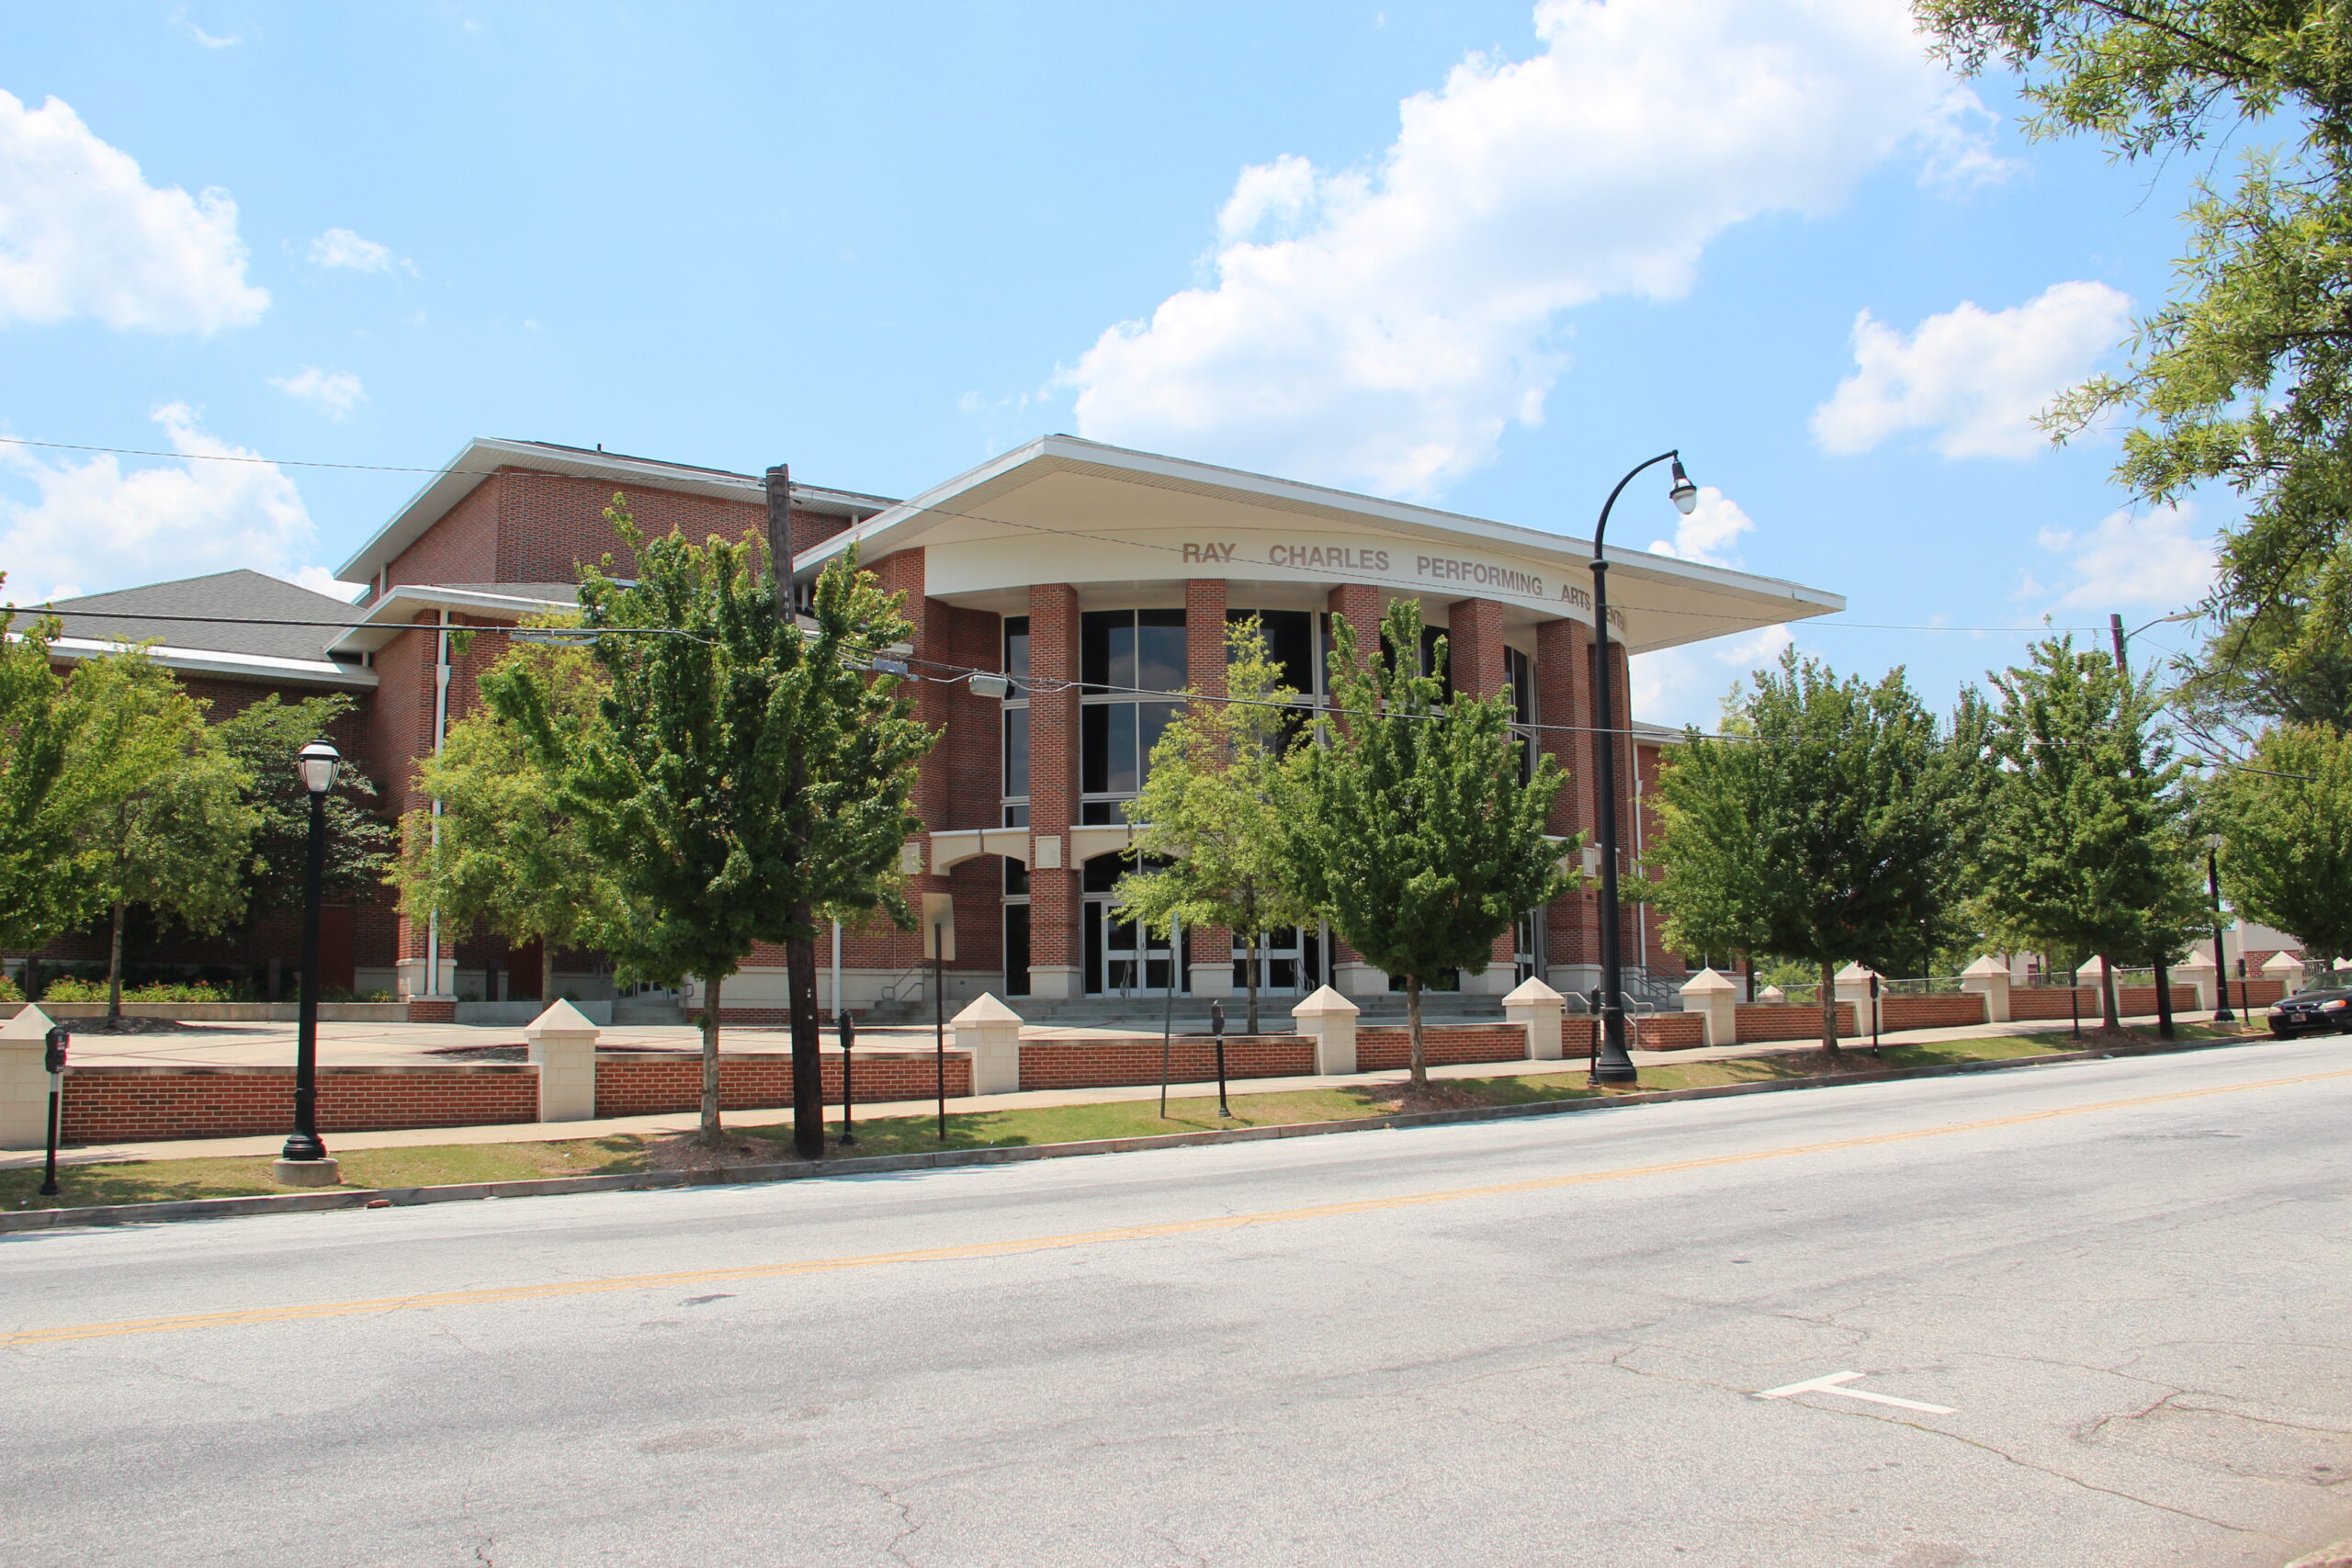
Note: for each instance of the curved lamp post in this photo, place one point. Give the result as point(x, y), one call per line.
point(1615, 1066)
point(304, 1161)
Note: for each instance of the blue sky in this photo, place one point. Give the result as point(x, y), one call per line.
point(1482, 254)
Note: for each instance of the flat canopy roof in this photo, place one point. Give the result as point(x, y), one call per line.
point(1065, 510)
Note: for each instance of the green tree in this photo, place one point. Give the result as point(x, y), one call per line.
point(1211, 807)
point(1854, 807)
point(2246, 374)
point(2257, 670)
point(39, 800)
point(173, 834)
point(503, 856)
point(739, 776)
point(1409, 827)
point(1714, 887)
point(2090, 851)
point(262, 740)
point(2287, 845)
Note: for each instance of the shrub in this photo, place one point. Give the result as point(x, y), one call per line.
point(74, 988)
point(8, 990)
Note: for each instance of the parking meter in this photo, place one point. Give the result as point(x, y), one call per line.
point(54, 1061)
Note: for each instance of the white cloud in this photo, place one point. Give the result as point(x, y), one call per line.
point(1708, 534)
point(90, 526)
point(180, 19)
point(319, 580)
point(82, 233)
point(1687, 685)
point(2156, 560)
point(334, 392)
point(342, 248)
point(1385, 326)
point(1975, 377)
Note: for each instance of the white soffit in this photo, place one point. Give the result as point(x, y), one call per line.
point(1085, 499)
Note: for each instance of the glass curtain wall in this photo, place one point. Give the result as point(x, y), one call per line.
point(1126, 658)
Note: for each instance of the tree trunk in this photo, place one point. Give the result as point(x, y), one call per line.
point(2108, 1012)
point(1747, 961)
point(808, 1036)
point(1830, 1012)
point(546, 973)
point(1252, 949)
point(114, 969)
point(1413, 1028)
point(712, 1135)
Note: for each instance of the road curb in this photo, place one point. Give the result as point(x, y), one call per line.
point(22, 1220)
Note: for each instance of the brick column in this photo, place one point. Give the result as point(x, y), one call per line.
point(1360, 606)
point(1210, 965)
point(1053, 969)
point(1622, 691)
point(1473, 637)
point(902, 571)
point(1563, 696)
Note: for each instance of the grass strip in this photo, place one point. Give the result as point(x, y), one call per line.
point(165, 1180)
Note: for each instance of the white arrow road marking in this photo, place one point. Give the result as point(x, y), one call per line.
point(1830, 1384)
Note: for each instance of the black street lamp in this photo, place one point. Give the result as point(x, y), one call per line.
point(304, 1161)
point(2213, 892)
point(1615, 1066)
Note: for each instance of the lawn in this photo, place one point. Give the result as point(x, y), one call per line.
point(445, 1164)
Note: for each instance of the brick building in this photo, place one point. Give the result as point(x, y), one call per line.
point(1099, 580)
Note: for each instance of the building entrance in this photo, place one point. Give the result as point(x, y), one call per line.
point(1290, 961)
point(1124, 959)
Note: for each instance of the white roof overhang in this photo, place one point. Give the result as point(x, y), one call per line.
point(211, 661)
point(1065, 510)
point(395, 611)
point(483, 456)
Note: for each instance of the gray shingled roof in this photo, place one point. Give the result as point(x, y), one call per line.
point(247, 601)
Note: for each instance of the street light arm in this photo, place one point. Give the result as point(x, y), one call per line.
point(1602, 527)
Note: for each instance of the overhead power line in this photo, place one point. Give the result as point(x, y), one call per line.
point(1333, 574)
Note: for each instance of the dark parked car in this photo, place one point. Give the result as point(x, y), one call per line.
point(2308, 1012)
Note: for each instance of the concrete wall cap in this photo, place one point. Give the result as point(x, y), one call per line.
point(2196, 961)
point(561, 1019)
point(2277, 961)
point(1706, 982)
point(1323, 1003)
point(1985, 968)
point(1531, 990)
point(1771, 994)
point(2093, 968)
point(30, 1023)
point(986, 1009)
point(1855, 972)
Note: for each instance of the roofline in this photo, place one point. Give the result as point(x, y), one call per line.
point(379, 625)
point(482, 455)
point(1566, 550)
point(212, 662)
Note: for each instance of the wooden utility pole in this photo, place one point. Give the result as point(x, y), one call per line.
point(800, 947)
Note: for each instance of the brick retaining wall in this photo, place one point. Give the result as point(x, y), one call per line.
point(1651, 1031)
point(1383, 1046)
point(638, 1085)
point(1755, 1021)
point(2133, 1001)
point(118, 1104)
point(1088, 1063)
point(1932, 1012)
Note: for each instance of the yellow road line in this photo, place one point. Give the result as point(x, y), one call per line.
point(1087, 1238)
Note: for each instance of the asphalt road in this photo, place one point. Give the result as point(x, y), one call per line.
point(2127, 1284)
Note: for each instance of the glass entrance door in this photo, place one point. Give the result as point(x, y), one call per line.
point(1290, 961)
point(1124, 959)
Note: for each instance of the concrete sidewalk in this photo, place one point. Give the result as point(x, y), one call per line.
point(680, 1121)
